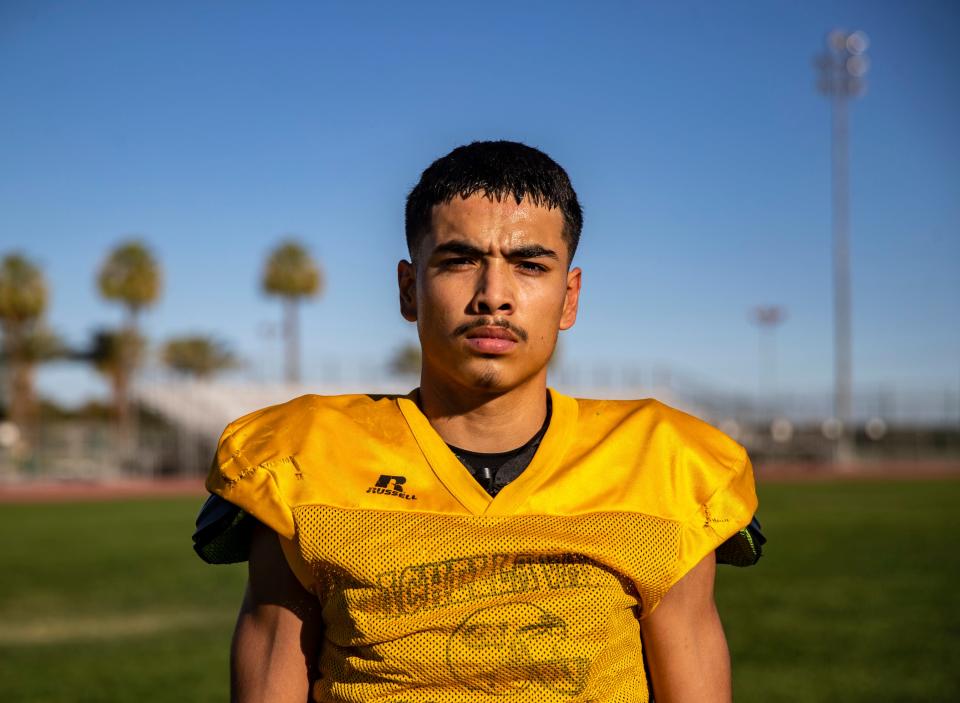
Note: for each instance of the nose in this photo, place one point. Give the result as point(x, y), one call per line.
point(494, 293)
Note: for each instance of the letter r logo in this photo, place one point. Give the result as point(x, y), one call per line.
point(397, 481)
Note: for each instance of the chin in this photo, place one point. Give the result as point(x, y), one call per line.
point(487, 375)
point(489, 380)
point(494, 376)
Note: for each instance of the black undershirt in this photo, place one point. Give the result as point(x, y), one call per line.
point(494, 470)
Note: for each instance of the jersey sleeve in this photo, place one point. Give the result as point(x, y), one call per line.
point(727, 499)
point(729, 506)
point(254, 489)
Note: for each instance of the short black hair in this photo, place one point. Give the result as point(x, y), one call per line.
point(496, 169)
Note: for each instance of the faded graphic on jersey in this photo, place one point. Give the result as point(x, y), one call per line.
point(504, 649)
point(440, 584)
point(510, 630)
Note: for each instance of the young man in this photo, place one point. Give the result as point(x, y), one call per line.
point(482, 538)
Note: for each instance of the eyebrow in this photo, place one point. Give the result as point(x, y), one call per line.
point(531, 251)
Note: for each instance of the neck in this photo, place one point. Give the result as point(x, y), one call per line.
point(484, 420)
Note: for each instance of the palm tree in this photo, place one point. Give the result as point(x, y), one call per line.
point(291, 274)
point(131, 276)
point(197, 356)
point(115, 353)
point(23, 299)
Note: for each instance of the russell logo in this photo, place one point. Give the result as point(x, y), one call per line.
point(391, 486)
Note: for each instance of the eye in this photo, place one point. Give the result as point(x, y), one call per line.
point(532, 267)
point(457, 262)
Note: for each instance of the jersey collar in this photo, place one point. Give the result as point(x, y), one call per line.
point(461, 483)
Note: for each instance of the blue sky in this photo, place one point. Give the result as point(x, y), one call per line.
point(692, 132)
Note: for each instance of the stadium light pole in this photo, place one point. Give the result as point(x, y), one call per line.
point(766, 318)
point(842, 67)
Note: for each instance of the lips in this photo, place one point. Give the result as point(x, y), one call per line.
point(491, 340)
point(491, 333)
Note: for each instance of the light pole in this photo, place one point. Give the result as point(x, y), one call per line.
point(766, 318)
point(842, 67)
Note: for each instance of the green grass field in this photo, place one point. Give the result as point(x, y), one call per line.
point(855, 600)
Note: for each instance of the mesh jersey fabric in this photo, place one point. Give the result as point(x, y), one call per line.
point(434, 592)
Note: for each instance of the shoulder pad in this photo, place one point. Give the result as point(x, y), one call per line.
point(223, 532)
point(744, 548)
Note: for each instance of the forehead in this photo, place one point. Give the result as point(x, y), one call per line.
point(481, 218)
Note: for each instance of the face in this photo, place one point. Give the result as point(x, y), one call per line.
point(489, 290)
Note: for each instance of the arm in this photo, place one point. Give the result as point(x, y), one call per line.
point(686, 648)
point(278, 632)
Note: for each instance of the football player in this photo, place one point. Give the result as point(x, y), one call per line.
point(483, 538)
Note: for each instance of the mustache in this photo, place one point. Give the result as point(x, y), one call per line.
point(492, 322)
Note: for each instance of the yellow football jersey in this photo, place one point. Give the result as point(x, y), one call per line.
point(434, 592)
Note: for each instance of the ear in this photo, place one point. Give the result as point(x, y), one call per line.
point(571, 299)
point(407, 282)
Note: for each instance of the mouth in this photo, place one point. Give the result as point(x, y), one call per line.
point(491, 340)
point(491, 332)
